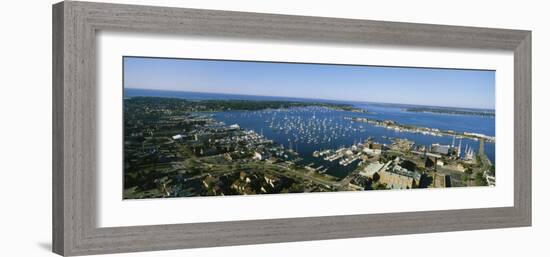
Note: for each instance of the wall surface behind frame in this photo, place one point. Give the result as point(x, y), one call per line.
point(25, 111)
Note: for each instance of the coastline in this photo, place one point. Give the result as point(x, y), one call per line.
point(393, 125)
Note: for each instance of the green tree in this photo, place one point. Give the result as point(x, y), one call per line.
point(380, 186)
point(465, 177)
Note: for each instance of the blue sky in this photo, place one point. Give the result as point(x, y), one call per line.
point(423, 86)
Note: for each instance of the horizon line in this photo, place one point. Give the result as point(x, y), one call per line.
point(359, 101)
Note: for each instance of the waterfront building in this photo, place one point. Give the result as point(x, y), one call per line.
point(372, 148)
point(398, 177)
point(441, 149)
point(371, 169)
point(441, 180)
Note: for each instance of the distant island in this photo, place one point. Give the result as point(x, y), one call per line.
point(451, 111)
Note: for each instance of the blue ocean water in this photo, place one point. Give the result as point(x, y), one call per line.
point(308, 129)
point(461, 123)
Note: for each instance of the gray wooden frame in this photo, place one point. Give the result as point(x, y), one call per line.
point(74, 129)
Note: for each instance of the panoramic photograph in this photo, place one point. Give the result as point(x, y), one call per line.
point(198, 127)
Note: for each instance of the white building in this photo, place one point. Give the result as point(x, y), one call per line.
point(372, 151)
point(441, 149)
point(257, 156)
point(371, 169)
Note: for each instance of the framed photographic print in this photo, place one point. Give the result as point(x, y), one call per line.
point(182, 128)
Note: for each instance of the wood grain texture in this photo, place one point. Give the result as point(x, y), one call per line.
point(522, 129)
point(74, 124)
point(58, 192)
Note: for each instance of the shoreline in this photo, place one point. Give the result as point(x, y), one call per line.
point(394, 125)
point(449, 111)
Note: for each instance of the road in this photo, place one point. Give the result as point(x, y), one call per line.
point(225, 169)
